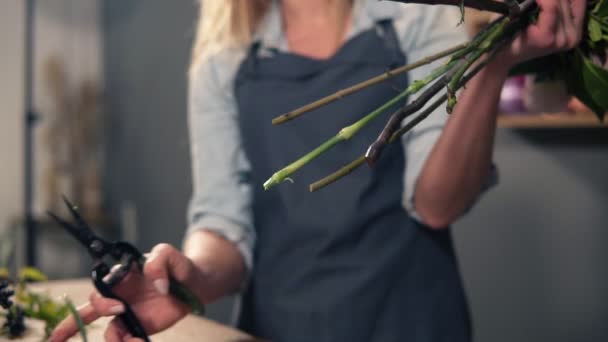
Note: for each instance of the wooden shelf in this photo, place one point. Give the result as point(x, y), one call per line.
point(550, 120)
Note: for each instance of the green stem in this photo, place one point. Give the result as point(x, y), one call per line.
point(283, 174)
point(343, 171)
point(79, 322)
point(413, 88)
point(340, 94)
point(477, 39)
point(493, 35)
point(505, 36)
point(349, 131)
point(350, 167)
point(598, 19)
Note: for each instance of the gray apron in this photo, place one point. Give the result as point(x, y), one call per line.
point(345, 263)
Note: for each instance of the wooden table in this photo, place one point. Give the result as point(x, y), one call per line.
point(191, 328)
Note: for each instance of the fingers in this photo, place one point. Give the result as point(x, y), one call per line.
point(68, 327)
point(106, 306)
point(165, 261)
point(156, 267)
point(97, 306)
point(559, 26)
point(116, 332)
point(573, 18)
point(567, 16)
point(578, 8)
point(544, 33)
point(578, 13)
point(561, 35)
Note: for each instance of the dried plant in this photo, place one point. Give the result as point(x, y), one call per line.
point(73, 139)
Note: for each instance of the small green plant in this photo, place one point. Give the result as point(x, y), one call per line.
point(19, 302)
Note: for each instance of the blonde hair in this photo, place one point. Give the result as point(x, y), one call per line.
point(223, 24)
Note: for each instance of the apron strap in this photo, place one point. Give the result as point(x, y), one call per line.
point(386, 30)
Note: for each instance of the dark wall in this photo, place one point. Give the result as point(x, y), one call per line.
point(146, 57)
point(147, 48)
point(532, 252)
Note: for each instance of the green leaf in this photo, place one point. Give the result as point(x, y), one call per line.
point(48, 308)
point(31, 274)
point(4, 274)
point(601, 8)
point(588, 82)
point(7, 244)
point(595, 30)
point(596, 82)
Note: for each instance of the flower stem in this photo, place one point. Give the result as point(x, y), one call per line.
point(348, 131)
point(370, 82)
point(347, 169)
point(452, 72)
point(493, 35)
point(483, 5)
point(482, 43)
point(343, 171)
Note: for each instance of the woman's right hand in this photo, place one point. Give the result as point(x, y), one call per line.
point(147, 294)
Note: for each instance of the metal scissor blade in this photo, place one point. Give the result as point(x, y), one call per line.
point(76, 215)
point(77, 233)
point(82, 232)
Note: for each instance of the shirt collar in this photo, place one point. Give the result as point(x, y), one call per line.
point(365, 14)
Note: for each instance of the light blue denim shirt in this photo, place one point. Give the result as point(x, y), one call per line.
point(222, 197)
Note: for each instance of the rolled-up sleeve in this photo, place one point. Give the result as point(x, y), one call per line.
point(222, 195)
point(437, 29)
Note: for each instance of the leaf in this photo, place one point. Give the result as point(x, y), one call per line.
point(7, 243)
point(601, 8)
point(24, 297)
point(31, 274)
point(48, 309)
point(588, 83)
point(595, 30)
point(4, 273)
point(596, 82)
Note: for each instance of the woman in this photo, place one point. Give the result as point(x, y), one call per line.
point(347, 263)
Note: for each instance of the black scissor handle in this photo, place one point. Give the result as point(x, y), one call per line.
point(128, 318)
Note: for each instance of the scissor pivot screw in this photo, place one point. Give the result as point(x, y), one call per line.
point(97, 246)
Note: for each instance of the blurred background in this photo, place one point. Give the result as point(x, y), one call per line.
point(109, 90)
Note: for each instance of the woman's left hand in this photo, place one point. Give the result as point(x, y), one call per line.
point(559, 27)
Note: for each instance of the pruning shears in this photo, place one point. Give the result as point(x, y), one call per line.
point(112, 262)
